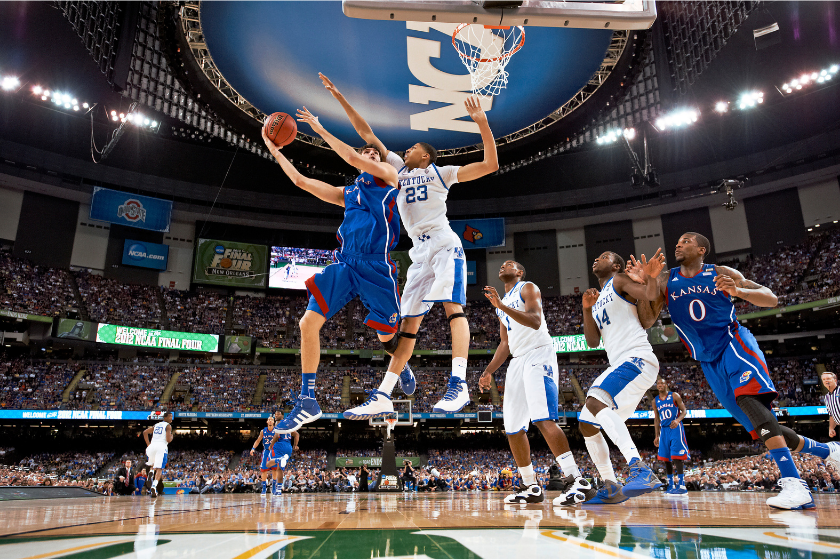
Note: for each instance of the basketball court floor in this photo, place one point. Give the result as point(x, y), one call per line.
point(446, 525)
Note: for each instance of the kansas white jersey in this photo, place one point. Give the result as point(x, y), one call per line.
point(522, 339)
point(618, 321)
point(159, 434)
point(422, 196)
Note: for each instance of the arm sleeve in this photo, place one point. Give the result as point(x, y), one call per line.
point(449, 174)
point(395, 160)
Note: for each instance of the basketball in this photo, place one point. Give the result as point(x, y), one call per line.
point(280, 128)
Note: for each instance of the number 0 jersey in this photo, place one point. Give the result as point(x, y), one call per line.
point(522, 339)
point(422, 196)
point(703, 315)
point(618, 321)
point(666, 409)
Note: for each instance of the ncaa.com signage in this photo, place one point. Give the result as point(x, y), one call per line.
point(129, 209)
point(145, 254)
point(412, 90)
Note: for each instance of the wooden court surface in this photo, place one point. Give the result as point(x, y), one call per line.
point(446, 525)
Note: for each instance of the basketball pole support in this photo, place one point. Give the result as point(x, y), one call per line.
point(389, 477)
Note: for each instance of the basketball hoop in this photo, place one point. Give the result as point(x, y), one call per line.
point(486, 50)
point(390, 424)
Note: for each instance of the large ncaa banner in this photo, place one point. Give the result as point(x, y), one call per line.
point(227, 263)
point(153, 338)
point(479, 234)
point(128, 209)
point(145, 254)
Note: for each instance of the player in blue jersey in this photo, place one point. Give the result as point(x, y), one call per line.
point(698, 298)
point(363, 266)
point(282, 447)
point(668, 413)
point(266, 437)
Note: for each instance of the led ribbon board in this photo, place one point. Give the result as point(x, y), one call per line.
point(153, 338)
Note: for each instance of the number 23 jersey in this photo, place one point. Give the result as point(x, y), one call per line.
point(703, 315)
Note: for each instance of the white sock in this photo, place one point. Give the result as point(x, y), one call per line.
point(618, 433)
point(459, 368)
point(528, 476)
point(568, 465)
point(389, 382)
point(599, 451)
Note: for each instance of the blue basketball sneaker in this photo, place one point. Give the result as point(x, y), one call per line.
point(641, 480)
point(306, 410)
point(677, 491)
point(609, 493)
point(456, 398)
point(407, 381)
point(378, 404)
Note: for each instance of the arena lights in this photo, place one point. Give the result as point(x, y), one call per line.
point(806, 80)
point(615, 134)
point(750, 99)
point(139, 120)
point(677, 119)
point(9, 83)
point(722, 107)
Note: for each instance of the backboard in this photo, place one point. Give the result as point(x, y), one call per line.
point(402, 409)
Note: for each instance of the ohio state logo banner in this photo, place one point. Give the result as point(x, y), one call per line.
point(130, 209)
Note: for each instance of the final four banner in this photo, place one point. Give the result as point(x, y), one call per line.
point(129, 209)
point(479, 234)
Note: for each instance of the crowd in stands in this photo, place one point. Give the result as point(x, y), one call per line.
point(120, 387)
point(217, 389)
point(27, 385)
point(111, 301)
point(759, 472)
point(34, 289)
point(69, 465)
point(200, 312)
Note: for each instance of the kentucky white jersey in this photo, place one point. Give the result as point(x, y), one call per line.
point(618, 321)
point(522, 339)
point(159, 434)
point(422, 196)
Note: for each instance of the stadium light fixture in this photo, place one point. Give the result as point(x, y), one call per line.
point(750, 99)
point(678, 119)
point(722, 107)
point(613, 135)
point(37, 90)
point(809, 79)
point(85, 105)
point(9, 83)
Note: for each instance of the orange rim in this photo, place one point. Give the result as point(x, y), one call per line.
point(495, 58)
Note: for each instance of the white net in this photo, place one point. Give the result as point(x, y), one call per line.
point(486, 51)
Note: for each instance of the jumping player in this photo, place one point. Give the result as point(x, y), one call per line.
point(363, 268)
point(616, 315)
point(698, 297)
point(668, 413)
point(438, 271)
point(266, 436)
point(531, 392)
point(157, 449)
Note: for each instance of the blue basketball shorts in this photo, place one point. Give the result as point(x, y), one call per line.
point(280, 450)
point(266, 457)
point(740, 370)
point(370, 277)
point(672, 444)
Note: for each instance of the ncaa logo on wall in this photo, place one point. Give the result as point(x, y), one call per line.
point(132, 210)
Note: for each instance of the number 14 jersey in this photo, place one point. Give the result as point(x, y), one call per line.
point(618, 321)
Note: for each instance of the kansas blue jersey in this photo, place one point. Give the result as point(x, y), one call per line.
point(371, 223)
point(284, 439)
point(703, 315)
point(267, 436)
point(666, 409)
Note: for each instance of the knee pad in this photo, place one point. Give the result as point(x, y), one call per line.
point(587, 416)
point(763, 420)
point(391, 344)
point(403, 334)
point(456, 315)
point(792, 439)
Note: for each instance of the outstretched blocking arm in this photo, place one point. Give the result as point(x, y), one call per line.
point(490, 163)
point(734, 283)
point(649, 311)
point(363, 129)
point(502, 353)
point(379, 169)
point(319, 189)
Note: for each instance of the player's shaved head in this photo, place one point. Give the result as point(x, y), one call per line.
point(701, 240)
point(616, 259)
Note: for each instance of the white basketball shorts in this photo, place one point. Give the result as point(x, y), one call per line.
point(531, 389)
point(622, 387)
point(158, 455)
point(438, 273)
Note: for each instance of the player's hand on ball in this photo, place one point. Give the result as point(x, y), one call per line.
point(484, 382)
point(474, 110)
point(303, 115)
point(268, 143)
point(491, 294)
point(590, 296)
point(329, 85)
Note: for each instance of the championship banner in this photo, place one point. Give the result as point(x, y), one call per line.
point(238, 344)
point(572, 343)
point(152, 338)
point(73, 329)
point(145, 254)
point(227, 263)
point(373, 461)
point(479, 234)
point(128, 209)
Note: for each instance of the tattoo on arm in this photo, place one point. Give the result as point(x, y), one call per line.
point(747, 284)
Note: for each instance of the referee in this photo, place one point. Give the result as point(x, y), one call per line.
point(832, 402)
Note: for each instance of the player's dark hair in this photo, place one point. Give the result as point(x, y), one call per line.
point(374, 146)
point(616, 258)
point(165, 414)
point(429, 149)
point(662, 379)
point(520, 267)
point(702, 241)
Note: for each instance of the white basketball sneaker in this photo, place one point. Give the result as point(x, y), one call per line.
point(378, 403)
point(833, 458)
point(794, 495)
point(532, 494)
point(456, 398)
